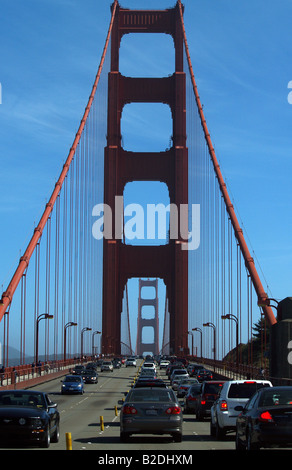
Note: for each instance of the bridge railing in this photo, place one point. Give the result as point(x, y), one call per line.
point(232, 371)
point(23, 376)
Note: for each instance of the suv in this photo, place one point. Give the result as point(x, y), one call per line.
point(209, 393)
point(234, 394)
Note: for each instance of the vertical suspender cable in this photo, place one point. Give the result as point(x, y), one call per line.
point(7, 296)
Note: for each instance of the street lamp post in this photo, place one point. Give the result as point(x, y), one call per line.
point(190, 333)
point(210, 324)
point(230, 316)
point(70, 323)
point(201, 334)
point(82, 332)
point(39, 318)
point(93, 334)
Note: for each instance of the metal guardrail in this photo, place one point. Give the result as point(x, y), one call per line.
point(24, 375)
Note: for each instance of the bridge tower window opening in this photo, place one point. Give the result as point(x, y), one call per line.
point(152, 55)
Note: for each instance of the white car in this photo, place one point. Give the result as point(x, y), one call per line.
point(131, 362)
point(107, 365)
point(182, 373)
point(148, 365)
point(233, 395)
point(163, 364)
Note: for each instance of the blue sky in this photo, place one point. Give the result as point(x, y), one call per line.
point(241, 55)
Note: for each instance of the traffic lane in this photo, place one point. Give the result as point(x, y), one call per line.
point(196, 436)
point(80, 414)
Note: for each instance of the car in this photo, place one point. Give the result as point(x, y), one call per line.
point(184, 385)
point(131, 362)
point(107, 366)
point(266, 419)
point(90, 376)
point(209, 393)
point(72, 384)
point(176, 379)
point(191, 398)
point(91, 365)
point(182, 373)
point(204, 374)
point(224, 411)
point(163, 364)
point(196, 369)
point(28, 416)
point(148, 373)
point(148, 365)
point(171, 367)
point(151, 411)
point(117, 363)
point(78, 370)
point(149, 382)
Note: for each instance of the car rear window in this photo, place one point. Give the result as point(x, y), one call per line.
point(212, 388)
point(244, 390)
point(151, 395)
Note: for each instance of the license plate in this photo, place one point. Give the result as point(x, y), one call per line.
point(151, 412)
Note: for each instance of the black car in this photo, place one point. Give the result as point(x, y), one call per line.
point(90, 376)
point(28, 416)
point(204, 374)
point(191, 398)
point(195, 370)
point(209, 394)
point(78, 370)
point(266, 420)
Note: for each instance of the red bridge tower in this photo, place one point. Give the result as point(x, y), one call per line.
point(168, 262)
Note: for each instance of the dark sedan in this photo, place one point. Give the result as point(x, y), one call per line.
point(151, 411)
point(28, 416)
point(266, 420)
point(90, 376)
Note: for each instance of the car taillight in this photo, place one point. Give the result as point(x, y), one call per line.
point(129, 410)
point(223, 405)
point(203, 402)
point(173, 410)
point(266, 417)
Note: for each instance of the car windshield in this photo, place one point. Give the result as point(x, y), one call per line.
point(15, 398)
point(275, 398)
point(72, 379)
point(151, 396)
point(244, 390)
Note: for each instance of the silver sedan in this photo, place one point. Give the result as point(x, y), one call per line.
point(151, 411)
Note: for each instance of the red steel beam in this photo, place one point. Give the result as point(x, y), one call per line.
point(249, 262)
point(24, 260)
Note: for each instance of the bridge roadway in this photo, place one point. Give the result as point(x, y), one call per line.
point(80, 416)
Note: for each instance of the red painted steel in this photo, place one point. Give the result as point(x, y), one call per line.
point(152, 321)
point(262, 296)
point(121, 261)
point(24, 260)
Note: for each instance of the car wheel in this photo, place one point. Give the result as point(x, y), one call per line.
point(47, 439)
point(238, 444)
point(212, 429)
point(220, 432)
point(177, 437)
point(249, 444)
point(56, 435)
